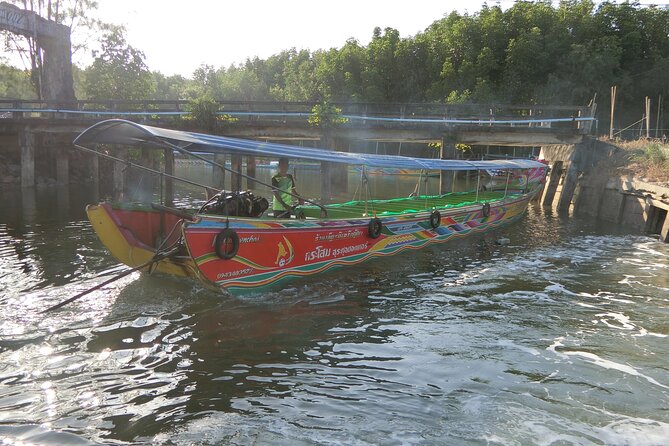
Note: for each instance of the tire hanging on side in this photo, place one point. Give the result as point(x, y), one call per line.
point(486, 210)
point(226, 244)
point(435, 219)
point(374, 227)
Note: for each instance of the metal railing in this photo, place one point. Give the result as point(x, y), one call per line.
point(579, 117)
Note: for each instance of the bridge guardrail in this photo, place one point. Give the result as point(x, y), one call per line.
point(272, 111)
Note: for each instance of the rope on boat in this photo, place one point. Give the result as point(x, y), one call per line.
point(159, 255)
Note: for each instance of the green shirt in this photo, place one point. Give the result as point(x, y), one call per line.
point(285, 183)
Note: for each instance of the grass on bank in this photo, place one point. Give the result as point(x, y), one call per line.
point(648, 160)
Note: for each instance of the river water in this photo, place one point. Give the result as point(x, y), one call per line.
point(559, 338)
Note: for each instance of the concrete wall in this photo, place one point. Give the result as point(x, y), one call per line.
point(587, 184)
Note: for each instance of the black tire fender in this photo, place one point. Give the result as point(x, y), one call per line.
point(226, 244)
point(435, 219)
point(486, 210)
point(374, 227)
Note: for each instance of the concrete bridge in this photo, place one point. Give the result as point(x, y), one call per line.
point(33, 130)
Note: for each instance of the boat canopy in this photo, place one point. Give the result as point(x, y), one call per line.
point(122, 132)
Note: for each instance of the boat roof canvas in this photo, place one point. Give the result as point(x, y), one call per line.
point(122, 132)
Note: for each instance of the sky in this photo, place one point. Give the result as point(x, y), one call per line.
point(178, 36)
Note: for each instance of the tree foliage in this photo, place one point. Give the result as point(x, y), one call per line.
point(532, 52)
point(119, 71)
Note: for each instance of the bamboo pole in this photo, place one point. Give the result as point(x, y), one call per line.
point(657, 120)
point(614, 91)
point(647, 117)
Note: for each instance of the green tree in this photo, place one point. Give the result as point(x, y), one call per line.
point(15, 83)
point(119, 71)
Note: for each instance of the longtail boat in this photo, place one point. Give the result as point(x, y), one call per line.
point(231, 243)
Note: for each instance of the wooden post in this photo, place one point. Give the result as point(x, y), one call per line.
point(27, 145)
point(169, 183)
point(659, 112)
point(218, 175)
point(647, 117)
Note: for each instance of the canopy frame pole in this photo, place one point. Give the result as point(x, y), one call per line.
point(365, 185)
point(237, 172)
point(478, 183)
point(506, 185)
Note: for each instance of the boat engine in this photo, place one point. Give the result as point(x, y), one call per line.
point(236, 204)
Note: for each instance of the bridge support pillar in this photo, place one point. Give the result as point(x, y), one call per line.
point(169, 183)
point(250, 171)
point(568, 188)
point(339, 174)
point(553, 182)
point(118, 174)
point(94, 169)
point(447, 177)
point(326, 182)
point(27, 145)
point(218, 177)
point(62, 165)
point(327, 142)
point(236, 178)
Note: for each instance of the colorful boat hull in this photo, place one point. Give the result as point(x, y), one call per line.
point(271, 251)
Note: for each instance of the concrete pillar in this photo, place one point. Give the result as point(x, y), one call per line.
point(326, 143)
point(568, 188)
point(63, 201)
point(326, 182)
point(250, 171)
point(62, 165)
point(553, 182)
point(94, 172)
point(28, 206)
point(169, 183)
point(119, 174)
point(218, 179)
point(447, 177)
point(339, 174)
point(27, 145)
point(664, 232)
point(236, 178)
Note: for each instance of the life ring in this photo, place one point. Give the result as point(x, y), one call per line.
point(226, 244)
point(374, 227)
point(486, 210)
point(435, 219)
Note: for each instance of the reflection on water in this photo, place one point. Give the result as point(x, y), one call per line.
point(558, 338)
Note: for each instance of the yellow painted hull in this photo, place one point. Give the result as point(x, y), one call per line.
point(128, 252)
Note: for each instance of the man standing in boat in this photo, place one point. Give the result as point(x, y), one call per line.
point(284, 185)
